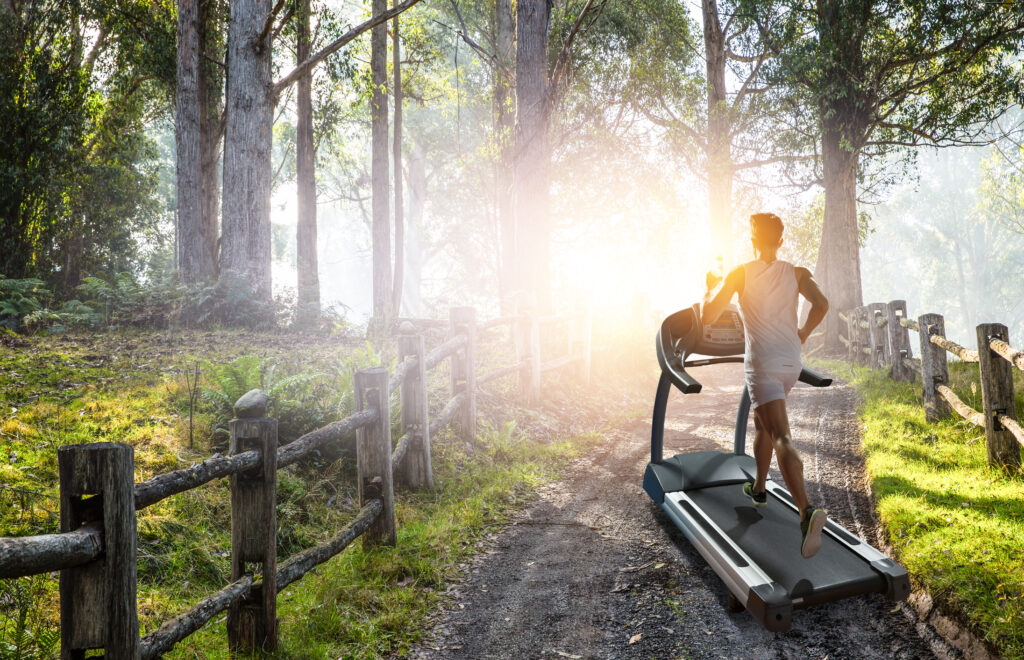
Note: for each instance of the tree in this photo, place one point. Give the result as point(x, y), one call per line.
point(251, 97)
point(396, 66)
point(308, 289)
point(191, 249)
point(885, 77)
point(380, 175)
point(76, 166)
point(245, 244)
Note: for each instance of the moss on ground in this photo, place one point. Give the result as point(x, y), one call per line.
point(956, 523)
point(132, 389)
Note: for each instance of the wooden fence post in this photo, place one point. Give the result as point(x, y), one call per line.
point(373, 454)
point(416, 468)
point(997, 397)
point(535, 364)
point(933, 367)
point(521, 336)
point(899, 341)
point(98, 609)
point(463, 370)
point(252, 622)
point(588, 325)
point(851, 335)
point(880, 354)
point(860, 314)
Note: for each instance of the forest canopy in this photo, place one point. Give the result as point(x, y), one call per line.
point(301, 161)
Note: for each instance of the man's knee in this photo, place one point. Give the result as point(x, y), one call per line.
point(784, 442)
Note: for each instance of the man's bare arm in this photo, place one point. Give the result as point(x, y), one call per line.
point(713, 309)
point(819, 303)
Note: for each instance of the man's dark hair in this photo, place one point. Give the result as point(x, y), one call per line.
point(766, 228)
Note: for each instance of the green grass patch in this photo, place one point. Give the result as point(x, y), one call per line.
point(956, 523)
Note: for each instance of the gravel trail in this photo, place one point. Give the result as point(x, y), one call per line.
point(594, 569)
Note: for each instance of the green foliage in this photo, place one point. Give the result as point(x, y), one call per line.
point(301, 400)
point(25, 636)
point(802, 236)
point(76, 166)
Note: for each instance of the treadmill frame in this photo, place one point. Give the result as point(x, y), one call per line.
point(766, 600)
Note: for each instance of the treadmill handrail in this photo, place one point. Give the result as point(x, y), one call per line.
point(814, 378)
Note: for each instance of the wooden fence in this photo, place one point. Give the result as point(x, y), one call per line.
point(878, 336)
point(95, 550)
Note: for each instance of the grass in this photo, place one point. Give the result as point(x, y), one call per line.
point(131, 388)
point(956, 523)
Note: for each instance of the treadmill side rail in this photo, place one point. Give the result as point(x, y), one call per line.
point(766, 601)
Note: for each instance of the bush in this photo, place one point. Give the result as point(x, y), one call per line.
point(302, 401)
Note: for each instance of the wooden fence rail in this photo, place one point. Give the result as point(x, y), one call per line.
point(995, 357)
point(95, 550)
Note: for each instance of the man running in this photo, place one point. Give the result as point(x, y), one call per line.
point(767, 289)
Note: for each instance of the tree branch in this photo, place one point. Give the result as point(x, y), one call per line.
point(305, 67)
point(464, 33)
point(563, 57)
point(268, 24)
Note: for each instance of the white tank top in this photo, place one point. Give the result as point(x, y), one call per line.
point(768, 307)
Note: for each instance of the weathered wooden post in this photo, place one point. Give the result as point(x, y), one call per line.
point(933, 367)
point(373, 454)
point(533, 395)
point(463, 371)
point(416, 468)
point(859, 315)
point(851, 336)
point(97, 600)
point(521, 336)
point(588, 325)
point(252, 622)
point(899, 341)
point(997, 397)
point(879, 336)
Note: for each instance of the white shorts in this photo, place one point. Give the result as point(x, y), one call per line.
point(770, 385)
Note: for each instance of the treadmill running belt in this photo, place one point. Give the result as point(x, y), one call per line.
point(771, 537)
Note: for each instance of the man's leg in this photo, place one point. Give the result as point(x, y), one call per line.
point(762, 452)
point(773, 419)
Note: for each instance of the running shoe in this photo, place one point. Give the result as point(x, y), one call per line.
point(759, 499)
point(810, 530)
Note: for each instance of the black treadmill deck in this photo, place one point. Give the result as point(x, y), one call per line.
point(770, 536)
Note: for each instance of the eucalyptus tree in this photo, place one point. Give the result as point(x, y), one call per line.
point(198, 132)
point(884, 77)
point(251, 97)
point(724, 120)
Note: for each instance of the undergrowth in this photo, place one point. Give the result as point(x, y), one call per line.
point(956, 523)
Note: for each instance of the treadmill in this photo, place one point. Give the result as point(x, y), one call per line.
point(756, 551)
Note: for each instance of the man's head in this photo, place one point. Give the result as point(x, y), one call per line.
point(766, 231)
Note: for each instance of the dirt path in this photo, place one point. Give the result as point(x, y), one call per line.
point(595, 570)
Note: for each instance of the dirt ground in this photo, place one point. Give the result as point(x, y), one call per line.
point(594, 569)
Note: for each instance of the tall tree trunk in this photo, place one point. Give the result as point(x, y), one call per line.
point(838, 268)
point(396, 65)
point(379, 174)
point(718, 153)
point(186, 138)
point(532, 150)
point(308, 285)
point(211, 105)
point(245, 244)
point(412, 300)
point(504, 125)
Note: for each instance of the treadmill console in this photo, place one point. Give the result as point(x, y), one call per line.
point(684, 334)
